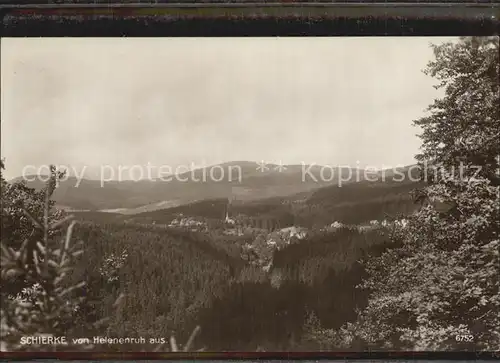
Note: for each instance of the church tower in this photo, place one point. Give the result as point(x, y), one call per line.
point(228, 207)
point(227, 217)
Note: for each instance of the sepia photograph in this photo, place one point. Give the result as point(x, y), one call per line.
point(272, 194)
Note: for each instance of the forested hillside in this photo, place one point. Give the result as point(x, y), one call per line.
point(174, 282)
point(316, 277)
point(173, 279)
point(166, 277)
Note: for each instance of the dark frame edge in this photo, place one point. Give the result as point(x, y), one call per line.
point(253, 355)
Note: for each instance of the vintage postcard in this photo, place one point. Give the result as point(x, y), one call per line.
point(250, 194)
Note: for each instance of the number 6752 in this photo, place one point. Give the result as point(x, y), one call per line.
point(464, 338)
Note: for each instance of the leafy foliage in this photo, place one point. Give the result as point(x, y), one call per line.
point(17, 197)
point(442, 283)
point(464, 125)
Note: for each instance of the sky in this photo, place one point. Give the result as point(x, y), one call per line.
point(89, 102)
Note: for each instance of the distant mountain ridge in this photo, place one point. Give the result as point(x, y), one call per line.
point(355, 202)
point(243, 180)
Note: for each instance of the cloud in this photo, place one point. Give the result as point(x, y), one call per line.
point(168, 100)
